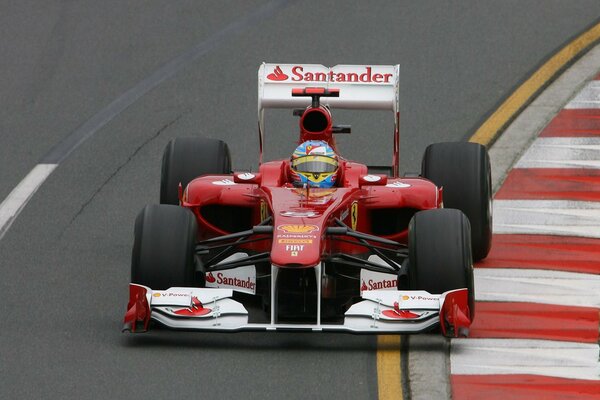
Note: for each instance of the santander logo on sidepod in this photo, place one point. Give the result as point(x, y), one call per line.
point(210, 278)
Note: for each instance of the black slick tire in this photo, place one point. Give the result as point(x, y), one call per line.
point(439, 246)
point(187, 158)
point(463, 171)
point(163, 247)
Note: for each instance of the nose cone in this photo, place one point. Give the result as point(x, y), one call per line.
point(296, 243)
point(299, 219)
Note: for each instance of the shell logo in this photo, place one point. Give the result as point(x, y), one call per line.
point(298, 228)
point(156, 294)
point(405, 297)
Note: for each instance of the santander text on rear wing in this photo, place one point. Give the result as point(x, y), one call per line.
point(367, 87)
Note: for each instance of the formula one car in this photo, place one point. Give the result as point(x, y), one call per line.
point(316, 242)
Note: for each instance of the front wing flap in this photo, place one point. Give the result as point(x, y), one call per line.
point(380, 312)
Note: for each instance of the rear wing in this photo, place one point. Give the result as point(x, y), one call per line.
point(365, 87)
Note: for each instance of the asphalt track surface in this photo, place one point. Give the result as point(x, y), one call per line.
point(65, 261)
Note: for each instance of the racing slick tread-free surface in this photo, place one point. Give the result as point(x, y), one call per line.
point(463, 170)
point(439, 248)
point(187, 158)
point(163, 248)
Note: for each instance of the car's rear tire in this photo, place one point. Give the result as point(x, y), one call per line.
point(187, 158)
point(463, 170)
point(163, 247)
point(439, 246)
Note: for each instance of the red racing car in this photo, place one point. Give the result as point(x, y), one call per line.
point(315, 242)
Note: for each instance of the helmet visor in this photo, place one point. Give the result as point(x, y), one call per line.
point(315, 164)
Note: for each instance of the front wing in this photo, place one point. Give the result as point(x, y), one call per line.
point(380, 312)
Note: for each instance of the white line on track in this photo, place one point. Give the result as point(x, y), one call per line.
point(524, 356)
point(20, 195)
point(537, 286)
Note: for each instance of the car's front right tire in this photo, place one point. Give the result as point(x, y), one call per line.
point(439, 246)
point(463, 171)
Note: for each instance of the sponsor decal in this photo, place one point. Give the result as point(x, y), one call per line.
point(363, 287)
point(397, 313)
point(298, 228)
point(277, 75)
point(316, 149)
point(171, 298)
point(294, 249)
point(314, 192)
point(372, 178)
point(354, 215)
point(224, 182)
point(365, 76)
point(194, 310)
point(242, 279)
point(295, 236)
point(371, 280)
point(246, 176)
point(294, 241)
point(418, 297)
point(210, 278)
point(344, 214)
point(421, 298)
point(398, 184)
point(300, 214)
point(264, 211)
point(315, 195)
point(170, 294)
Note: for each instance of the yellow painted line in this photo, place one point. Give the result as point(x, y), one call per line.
point(488, 131)
point(389, 376)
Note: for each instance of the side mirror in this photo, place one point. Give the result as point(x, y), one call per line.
point(372, 180)
point(246, 177)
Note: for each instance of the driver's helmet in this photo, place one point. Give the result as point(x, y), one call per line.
point(314, 163)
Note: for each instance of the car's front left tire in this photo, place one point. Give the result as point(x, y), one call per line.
point(164, 247)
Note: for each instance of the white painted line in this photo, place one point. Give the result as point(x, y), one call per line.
point(588, 97)
point(547, 217)
point(520, 356)
point(20, 195)
point(567, 152)
point(537, 286)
